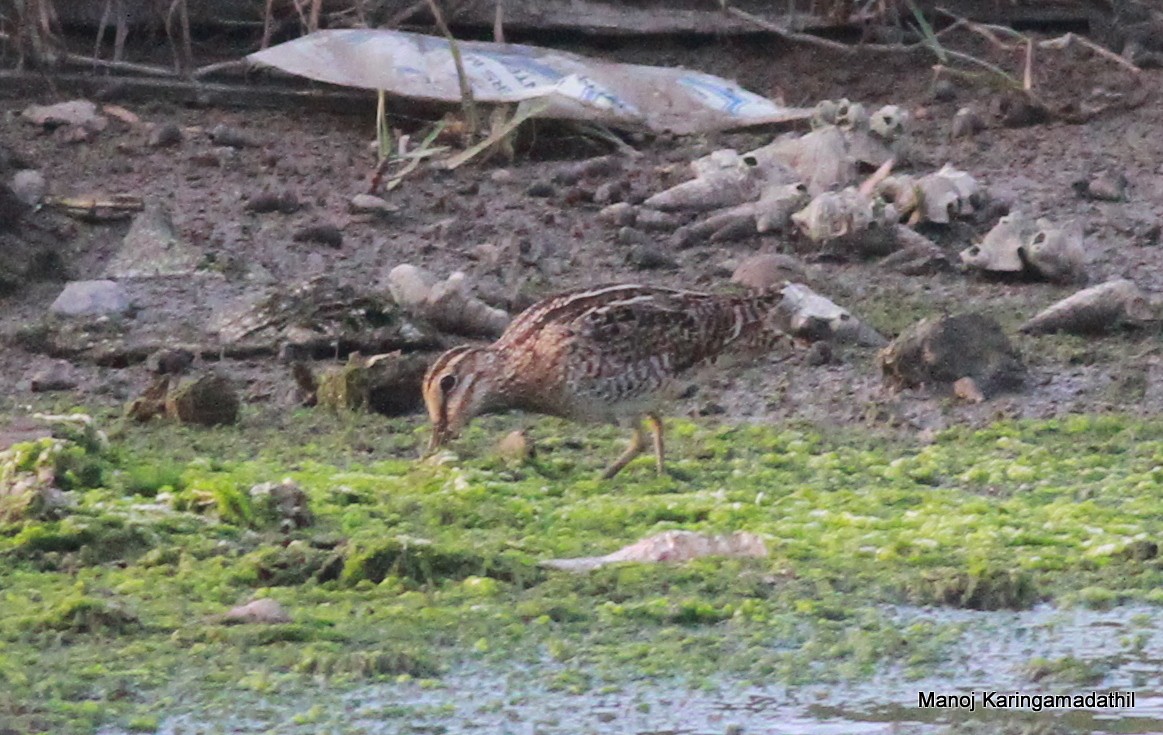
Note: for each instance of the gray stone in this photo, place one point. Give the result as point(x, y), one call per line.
point(152, 248)
point(91, 298)
point(29, 186)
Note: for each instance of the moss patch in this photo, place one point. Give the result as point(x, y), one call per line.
point(410, 568)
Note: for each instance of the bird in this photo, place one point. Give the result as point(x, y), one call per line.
point(600, 354)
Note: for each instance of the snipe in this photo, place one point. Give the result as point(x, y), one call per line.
point(596, 354)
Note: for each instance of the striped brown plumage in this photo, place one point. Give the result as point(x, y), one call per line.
point(596, 354)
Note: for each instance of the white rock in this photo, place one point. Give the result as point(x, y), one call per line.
point(29, 186)
point(91, 298)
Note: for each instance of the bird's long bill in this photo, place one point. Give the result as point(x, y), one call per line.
point(440, 436)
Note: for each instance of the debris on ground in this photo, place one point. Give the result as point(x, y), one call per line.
point(447, 304)
point(263, 611)
point(674, 547)
point(319, 318)
point(936, 352)
point(1037, 249)
point(1099, 309)
point(939, 197)
point(808, 315)
point(556, 84)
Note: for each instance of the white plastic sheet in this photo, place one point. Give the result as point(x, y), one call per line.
point(571, 86)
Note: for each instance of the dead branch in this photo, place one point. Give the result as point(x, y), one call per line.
point(811, 40)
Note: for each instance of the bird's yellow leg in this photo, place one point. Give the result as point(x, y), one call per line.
point(655, 424)
point(637, 444)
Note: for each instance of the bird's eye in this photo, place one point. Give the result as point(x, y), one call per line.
point(447, 383)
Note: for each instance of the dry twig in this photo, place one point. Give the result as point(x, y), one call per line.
point(466, 98)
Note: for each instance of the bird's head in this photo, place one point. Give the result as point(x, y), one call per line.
point(458, 386)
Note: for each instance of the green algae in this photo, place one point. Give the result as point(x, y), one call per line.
point(411, 568)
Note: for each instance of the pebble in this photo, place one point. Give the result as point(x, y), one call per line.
point(369, 204)
point(57, 376)
point(944, 90)
point(165, 135)
point(820, 353)
point(269, 201)
point(622, 214)
point(767, 270)
point(966, 123)
point(324, 233)
point(169, 361)
point(226, 135)
point(541, 189)
point(631, 236)
point(648, 257)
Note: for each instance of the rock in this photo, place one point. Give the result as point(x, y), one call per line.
point(966, 389)
point(169, 361)
point(599, 167)
point(29, 186)
point(206, 400)
point(501, 176)
point(79, 113)
point(647, 257)
point(164, 136)
point(652, 219)
point(820, 353)
point(808, 315)
point(916, 255)
point(388, 384)
point(1018, 109)
point(268, 201)
point(1037, 249)
point(611, 191)
point(368, 204)
point(1095, 310)
point(938, 351)
point(324, 233)
point(446, 304)
point(966, 123)
point(28, 480)
point(769, 270)
point(284, 502)
point(152, 247)
point(632, 236)
point(943, 90)
point(57, 376)
point(621, 214)
point(12, 211)
point(540, 189)
point(673, 547)
point(262, 611)
point(231, 137)
point(1105, 186)
point(91, 298)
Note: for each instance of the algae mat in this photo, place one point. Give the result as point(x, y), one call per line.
point(408, 582)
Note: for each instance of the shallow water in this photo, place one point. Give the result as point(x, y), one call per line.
point(993, 651)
